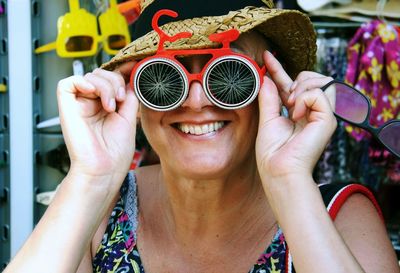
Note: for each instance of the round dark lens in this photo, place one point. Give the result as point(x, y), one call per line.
point(116, 41)
point(390, 136)
point(79, 43)
point(350, 104)
point(231, 82)
point(161, 85)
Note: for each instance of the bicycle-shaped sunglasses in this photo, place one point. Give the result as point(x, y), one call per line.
point(230, 80)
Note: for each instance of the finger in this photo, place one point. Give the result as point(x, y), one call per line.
point(305, 75)
point(69, 88)
point(269, 101)
point(75, 84)
point(128, 109)
point(125, 70)
point(278, 75)
point(307, 84)
point(115, 79)
point(312, 105)
point(104, 90)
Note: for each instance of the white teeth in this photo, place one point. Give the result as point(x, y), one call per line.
point(185, 128)
point(201, 129)
point(197, 130)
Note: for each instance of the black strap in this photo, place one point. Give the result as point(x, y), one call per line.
point(188, 9)
point(328, 191)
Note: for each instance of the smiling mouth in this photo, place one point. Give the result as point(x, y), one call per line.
point(200, 129)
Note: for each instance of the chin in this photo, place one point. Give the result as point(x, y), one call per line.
point(204, 166)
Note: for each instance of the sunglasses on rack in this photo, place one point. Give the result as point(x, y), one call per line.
point(78, 32)
point(230, 80)
point(354, 107)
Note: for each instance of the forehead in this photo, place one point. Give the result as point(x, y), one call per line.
point(252, 44)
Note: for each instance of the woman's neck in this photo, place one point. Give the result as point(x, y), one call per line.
point(212, 208)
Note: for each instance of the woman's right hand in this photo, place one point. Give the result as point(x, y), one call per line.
point(98, 119)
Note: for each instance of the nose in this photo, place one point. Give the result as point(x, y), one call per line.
point(196, 98)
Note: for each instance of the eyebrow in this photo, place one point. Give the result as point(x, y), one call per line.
point(237, 48)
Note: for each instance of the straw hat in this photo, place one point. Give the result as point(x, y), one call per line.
point(290, 31)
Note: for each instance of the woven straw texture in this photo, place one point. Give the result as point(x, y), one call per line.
point(290, 31)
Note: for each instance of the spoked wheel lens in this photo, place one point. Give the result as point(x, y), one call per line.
point(160, 84)
point(231, 82)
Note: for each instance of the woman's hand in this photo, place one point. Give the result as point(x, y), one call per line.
point(98, 118)
point(287, 146)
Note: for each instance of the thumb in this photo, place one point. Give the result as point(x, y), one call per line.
point(269, 101)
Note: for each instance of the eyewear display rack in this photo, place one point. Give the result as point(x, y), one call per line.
point(4, 142)
point(30, 99)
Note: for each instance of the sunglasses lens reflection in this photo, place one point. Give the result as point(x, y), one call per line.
point(349, 103)
point(231, 83)
point(160, 85)
point(79, 43)
point(390, 136)
point(116, 42)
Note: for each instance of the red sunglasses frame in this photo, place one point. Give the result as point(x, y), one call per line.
point(218, 54)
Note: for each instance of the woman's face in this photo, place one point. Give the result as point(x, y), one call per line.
point(200, 140)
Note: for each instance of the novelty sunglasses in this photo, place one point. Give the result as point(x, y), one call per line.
point(230, 80)
point(78, 32)
point(354, 107)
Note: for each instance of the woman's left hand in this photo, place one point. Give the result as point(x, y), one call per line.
point(292, 145)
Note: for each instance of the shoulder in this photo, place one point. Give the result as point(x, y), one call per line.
point(361, 226)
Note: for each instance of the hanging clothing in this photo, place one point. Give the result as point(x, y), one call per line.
point(374, 69)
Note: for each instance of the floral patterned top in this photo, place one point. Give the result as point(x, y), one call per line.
point(118, 251)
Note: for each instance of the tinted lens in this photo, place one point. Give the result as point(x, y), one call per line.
point(349, 103)
point(231, 82)
point(160, 84)
point(390, 136)
point(116, 41)
point(79, 43)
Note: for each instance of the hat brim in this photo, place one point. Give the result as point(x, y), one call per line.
point(290, 31)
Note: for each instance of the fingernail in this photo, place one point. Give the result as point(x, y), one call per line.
point(121, 93)
point(111, 104)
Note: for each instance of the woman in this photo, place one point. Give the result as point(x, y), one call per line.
point(233, 189)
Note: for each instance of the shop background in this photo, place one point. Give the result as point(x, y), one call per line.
point(33, 160)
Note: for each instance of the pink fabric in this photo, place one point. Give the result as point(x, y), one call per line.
point(374, 69)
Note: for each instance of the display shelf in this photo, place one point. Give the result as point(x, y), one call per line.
point(4, 141)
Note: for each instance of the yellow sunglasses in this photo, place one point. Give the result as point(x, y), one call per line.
point(78, 36)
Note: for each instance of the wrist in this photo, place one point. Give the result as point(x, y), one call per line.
point(286, 182)
point(285, 192)
point(101, 185)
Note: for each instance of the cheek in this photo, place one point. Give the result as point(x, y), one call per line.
point(150, 121)
point(249, 122)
